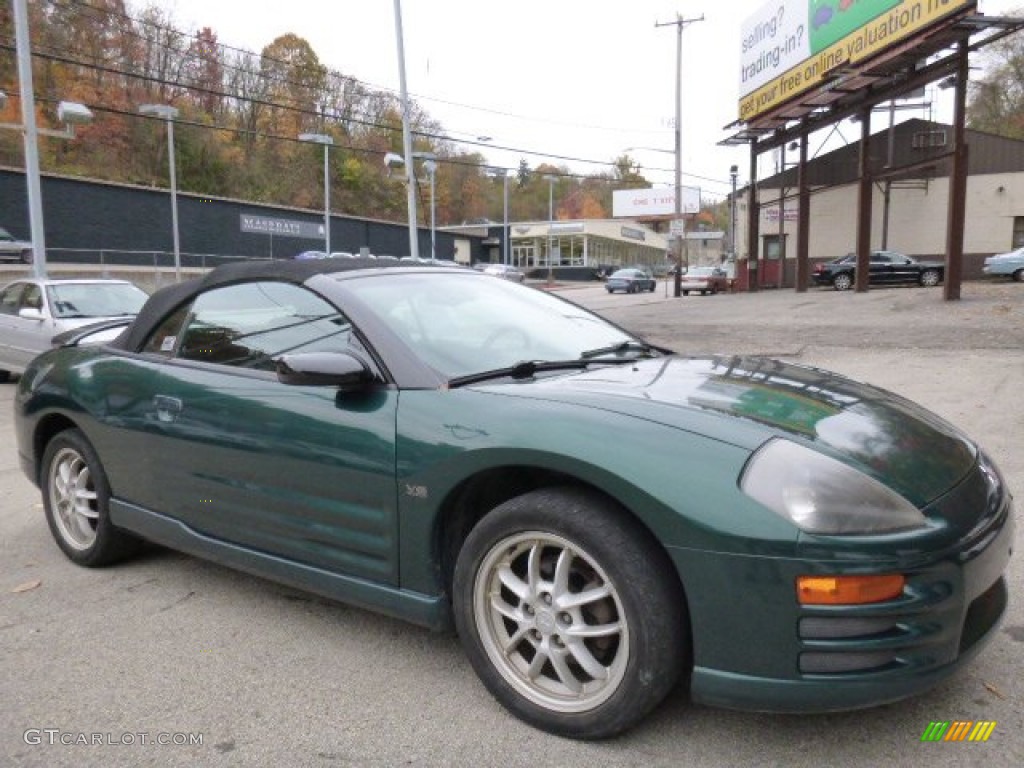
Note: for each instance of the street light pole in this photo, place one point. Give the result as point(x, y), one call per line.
point(430, 166)
point(503, 173)
point(505, 232)
point(168, 114)
point(327, 141)
point(679, 23)
point(28, 120)
point(410, 196)
point(551, 223)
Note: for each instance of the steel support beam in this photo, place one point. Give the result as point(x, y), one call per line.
point(864, 203)
point(957, 185)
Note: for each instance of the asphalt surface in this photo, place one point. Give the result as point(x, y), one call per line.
point(268, 676)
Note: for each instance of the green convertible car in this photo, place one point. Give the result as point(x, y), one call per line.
point(600, 520)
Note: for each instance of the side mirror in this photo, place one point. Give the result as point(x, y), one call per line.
point(30, 313)
point(324, 369)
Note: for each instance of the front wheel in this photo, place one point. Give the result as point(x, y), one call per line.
point(843, 282)
point(26, 257)
point(930, 278)
point(570, 613)
point(1018, 276)
point(76, 499)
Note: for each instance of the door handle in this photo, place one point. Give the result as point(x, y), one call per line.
point(167, 408)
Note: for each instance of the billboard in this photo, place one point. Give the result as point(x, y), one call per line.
point(790, 46)
point(631, 203)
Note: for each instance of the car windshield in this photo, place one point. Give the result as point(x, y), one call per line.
point(463, 323)
point(95, 299)
point(624, 273)
point(701, 271)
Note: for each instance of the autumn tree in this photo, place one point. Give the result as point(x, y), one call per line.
point(996, 99)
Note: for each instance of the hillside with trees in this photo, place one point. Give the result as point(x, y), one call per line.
point(240, 115)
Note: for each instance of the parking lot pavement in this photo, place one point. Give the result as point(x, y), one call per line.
point(268, 676)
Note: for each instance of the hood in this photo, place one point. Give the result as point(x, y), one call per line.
point(747, 400)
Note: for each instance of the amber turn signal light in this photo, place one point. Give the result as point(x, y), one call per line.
point(848, 590)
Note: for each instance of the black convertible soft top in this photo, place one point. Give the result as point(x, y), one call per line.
point(166, 300)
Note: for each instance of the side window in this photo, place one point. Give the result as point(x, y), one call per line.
point(10, 298)
point(252, 324)
point(164, 340)
point(32, 298)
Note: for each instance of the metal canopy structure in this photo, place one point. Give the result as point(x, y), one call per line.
point(938, 53)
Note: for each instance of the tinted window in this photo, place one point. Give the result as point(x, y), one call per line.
point(10, 297)
point(252, 324)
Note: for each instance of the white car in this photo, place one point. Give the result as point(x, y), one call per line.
point(12, 249)
point(1010, 264)
point(34, 310)
point(505, 271)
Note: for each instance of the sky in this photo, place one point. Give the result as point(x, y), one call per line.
point(575, 83)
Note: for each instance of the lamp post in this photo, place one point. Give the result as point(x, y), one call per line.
point(168, 114)
point(410, 196)
point(733, 173)
point(327, 141)
point(430, 166)
point(551, 222)
point(502, 173)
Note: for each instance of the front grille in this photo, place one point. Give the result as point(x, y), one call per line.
point(834, 663)
point(916, 629)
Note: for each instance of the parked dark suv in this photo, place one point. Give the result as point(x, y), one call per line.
point(886, 268)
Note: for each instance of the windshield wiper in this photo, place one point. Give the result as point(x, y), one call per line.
point(527, 369)
point(645, 350)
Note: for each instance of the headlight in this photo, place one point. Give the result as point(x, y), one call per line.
point(822, 495)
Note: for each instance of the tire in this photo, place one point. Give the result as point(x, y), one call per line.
point(930, 278)
point(1018, 276)
point(686, 293)
point(5, 376)
point(26, 257)
point(843, 281)
point(703, 293)
point(653, 286)
point(76, 499)
point(508, 620)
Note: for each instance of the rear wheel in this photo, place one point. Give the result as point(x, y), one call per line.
point(1018, 276)
point(570, 613)
point(76, 499)
point(26, 257)
point(930, 278)
point(842, 281)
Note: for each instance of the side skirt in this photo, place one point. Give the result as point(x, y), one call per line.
point(431, 611)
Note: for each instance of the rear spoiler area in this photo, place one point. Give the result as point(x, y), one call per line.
point(95, 333)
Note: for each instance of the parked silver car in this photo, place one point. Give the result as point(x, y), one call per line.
point(34, 310)
point(1010, 264)
point(505, 271)
point(12, 249)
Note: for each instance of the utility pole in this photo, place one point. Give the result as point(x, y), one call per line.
point(679, 23)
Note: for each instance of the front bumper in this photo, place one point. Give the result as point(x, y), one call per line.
point(770, 654)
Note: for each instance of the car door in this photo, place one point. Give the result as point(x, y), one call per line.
point(300, 472)
point(904, 269)
point(21, 338)
point(881, 268)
